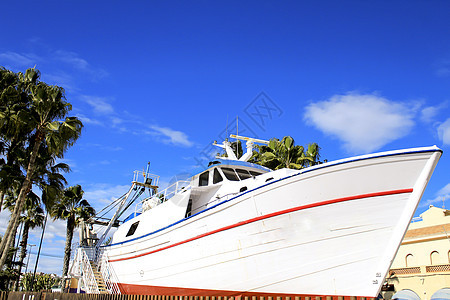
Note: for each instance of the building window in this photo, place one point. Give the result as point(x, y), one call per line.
point(434, 257)
point(409, 260)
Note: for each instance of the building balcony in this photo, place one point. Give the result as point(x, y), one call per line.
point(445, 268)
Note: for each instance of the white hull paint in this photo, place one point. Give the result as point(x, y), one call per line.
point(331, 229)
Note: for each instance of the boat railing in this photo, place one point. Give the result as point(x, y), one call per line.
point(164, 195)
point(91, 252)
point(74, 250)
point(146, 178)
point(74, 267)
point(75, 264)
point(89, 281)
point(109, 276)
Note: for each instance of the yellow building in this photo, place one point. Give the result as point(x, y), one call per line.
point(422, 264)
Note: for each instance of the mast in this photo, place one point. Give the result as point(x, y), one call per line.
point(249, 144)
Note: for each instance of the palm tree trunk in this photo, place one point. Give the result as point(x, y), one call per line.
point(23, 251)
point(68, 248)
point(11, 261)
point(2, 196)
point(14, 220)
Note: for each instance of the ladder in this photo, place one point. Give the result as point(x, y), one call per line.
point(95, 278)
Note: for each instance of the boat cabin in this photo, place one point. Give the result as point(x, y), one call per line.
point(228, 171)
point(222, 180)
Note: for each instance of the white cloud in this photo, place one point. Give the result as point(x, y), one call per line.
point(445, 191)
point(100, 194)
point(60, 65)
point(48, 265)
point(52, 251)
point(60, 78)
point(116, 121)
point(443, 68)
point(102, 147)
point(55, 228)
point(428, 114)
point(442, 195)
point(99, 104)
point(87, 120)
point(171, 136)
point(4, 219)
point(74, 60)
point(444, 132)
point(363, 122)
point(21, 60)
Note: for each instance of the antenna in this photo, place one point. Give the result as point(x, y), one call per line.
point(146, 172)
point(249, 144)
point(237, 134)
point(226, 130)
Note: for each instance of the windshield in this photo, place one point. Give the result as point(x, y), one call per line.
point(230, 174)
point(243, 174)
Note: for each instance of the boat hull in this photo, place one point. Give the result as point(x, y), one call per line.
point(331, 230)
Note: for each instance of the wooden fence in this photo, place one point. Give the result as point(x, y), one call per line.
point(67, 296)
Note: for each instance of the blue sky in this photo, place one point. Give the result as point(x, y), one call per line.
point(159, 81)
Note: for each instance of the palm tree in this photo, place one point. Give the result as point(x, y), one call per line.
point(48, 177)
point(14, 128)
point(47, 117)
point(73, 208)
point(9, 273)
point(285, 154)
point(34, 217)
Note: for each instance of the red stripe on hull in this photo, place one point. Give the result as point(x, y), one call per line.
point(278, 213)
point(135, 289)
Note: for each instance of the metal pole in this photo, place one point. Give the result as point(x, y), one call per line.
point(39, 251)
point(29, 254)
point(146, 172)
point(18, 240)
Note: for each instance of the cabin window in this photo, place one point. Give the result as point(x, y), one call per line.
point(230, 174)
point(217, 177)
point(189, 209)
point(255, 173)
point(203, 179)
point(243, 174)
point(132, 229)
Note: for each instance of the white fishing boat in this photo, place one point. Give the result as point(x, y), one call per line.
point(237, 228)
